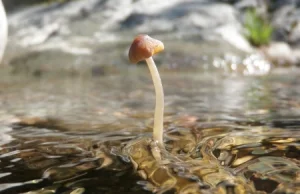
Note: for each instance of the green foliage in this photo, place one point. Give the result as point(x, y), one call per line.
point(259, 31)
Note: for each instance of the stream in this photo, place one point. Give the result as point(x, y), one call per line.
point(224, 133)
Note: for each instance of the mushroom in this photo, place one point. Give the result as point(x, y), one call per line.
point(144, 47)
point(3, 30)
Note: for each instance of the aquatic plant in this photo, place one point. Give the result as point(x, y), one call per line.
point(3, 30)
point(144, 47)
point(259, 31)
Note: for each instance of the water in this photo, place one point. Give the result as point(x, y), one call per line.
point(89, 134)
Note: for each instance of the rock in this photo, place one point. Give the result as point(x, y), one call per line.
point(286, 21)
point(260, 6)
point(97, 31)
point(296, 54)
point(278, 4)
point(3, 30)
point(12, 5)
point(280, 54)
point(235, 38)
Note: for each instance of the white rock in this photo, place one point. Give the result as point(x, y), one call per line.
point(231, 34)
point(3, 30)
point(280, 53)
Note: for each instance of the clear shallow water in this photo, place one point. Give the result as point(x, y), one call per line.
point(82, 134)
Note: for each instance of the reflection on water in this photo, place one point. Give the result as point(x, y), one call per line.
point(224, 134)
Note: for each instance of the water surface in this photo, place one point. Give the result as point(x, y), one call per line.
point(80, 134)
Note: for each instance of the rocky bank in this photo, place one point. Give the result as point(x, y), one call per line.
point(94, 35)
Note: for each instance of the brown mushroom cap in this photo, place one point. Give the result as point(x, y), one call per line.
point(143, 47)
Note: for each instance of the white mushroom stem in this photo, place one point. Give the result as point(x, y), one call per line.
point(3, 30)
point(159, 104)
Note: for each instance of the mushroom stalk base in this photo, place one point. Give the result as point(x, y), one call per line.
point(159, 105)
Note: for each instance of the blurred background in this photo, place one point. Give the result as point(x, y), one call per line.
point(94, 35)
